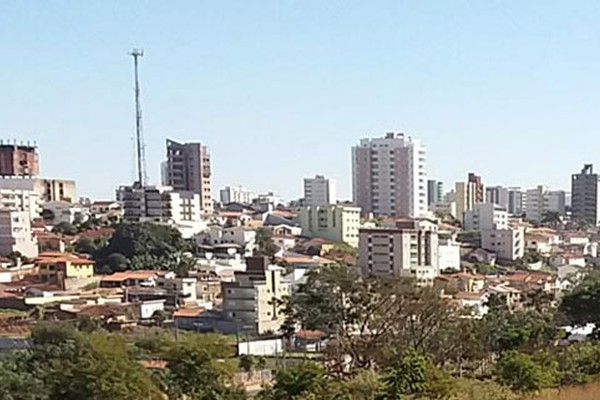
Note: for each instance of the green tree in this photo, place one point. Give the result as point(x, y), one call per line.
point(201, 367)
point(246, 362)
point(303, 381)
point(65, 228)
point(582, 305)
point(264, 243)
point(146, 245)
point(524, 373)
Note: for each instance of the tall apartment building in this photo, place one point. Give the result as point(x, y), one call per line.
point(21, 200)
point(409, 249)
point(486, 216)
point(235, 194)
point(389, 176)
point(319, 190)
point(468, 193)
point(435, 192)
point(159, 204)
point(19, 160)
point(16, 234)
point(188, 170)
point(540, 200)
point(585, 196)
point(48, 189)
point(515, 201)
point(254, 297)
point(338, 223)
point(497, 195)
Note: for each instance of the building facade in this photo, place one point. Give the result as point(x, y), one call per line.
point(19, 160)
point(389, 176)
point(254, 298)
point(188, 170)
point(540, 200)
point(497, 195)
point(507, 244)
point(409, 249)
point(515, 201)
point(338, 223)
point(585, 196)
point(21, 200)
point(235, 194)
point(16, 234)
point(319, 191)
point(486, 216)
point(435, 192)
point(47, 189)
point(468, 193)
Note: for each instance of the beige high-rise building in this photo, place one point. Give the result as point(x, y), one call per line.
point(338, 223)
point(48, 189)
point(409, 249)
point(187, 169)
point(389, 176)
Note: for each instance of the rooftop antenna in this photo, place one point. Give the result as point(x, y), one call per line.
point(141, 162)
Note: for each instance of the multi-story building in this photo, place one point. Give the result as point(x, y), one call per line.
point(540, 200)
point(497, 195)
point(56, 212)
point(235, 194)
point(338, 223)
point(585, 196)
point(16, 234)
point(188, 170)
point(254, 298)
point(47, 189)
point(515, 201)
point(19, 160)
point(159, 204)
point(389, 176)
point(507, 244)
point(21, 200)
point(435, 192)
point(486, 216)
point(409, 249)
point(467, 194)
point(319, 191)
point(448, 255)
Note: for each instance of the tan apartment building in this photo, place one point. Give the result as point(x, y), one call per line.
point(254, 297)
point(338, 223)
point(409, 249)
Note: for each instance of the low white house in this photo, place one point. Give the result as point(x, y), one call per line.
point(448, 255)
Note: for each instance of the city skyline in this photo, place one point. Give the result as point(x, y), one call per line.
point(512, 82)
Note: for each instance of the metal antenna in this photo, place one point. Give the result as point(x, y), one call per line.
point(141, 162)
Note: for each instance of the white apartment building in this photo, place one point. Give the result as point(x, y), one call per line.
point(448, 255)
point(389, 176)
point(485, 216)
point(508, 244)
point(235, 194)
point(160, 204)
point(338, 223)
point(319, 191)
point(16, 234)
point(254, 297)
point(47, 189)
point(242, 236)
point(56, 212)
point(541, 200)
point(21, 200)
point(410, 249)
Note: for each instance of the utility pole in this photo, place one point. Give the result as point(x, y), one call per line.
point(141, 167)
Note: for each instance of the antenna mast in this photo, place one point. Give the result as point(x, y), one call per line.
point(141, 162)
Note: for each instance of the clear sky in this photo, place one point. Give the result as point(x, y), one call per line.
point(280, 90)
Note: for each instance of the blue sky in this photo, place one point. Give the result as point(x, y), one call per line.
point(280, 90)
